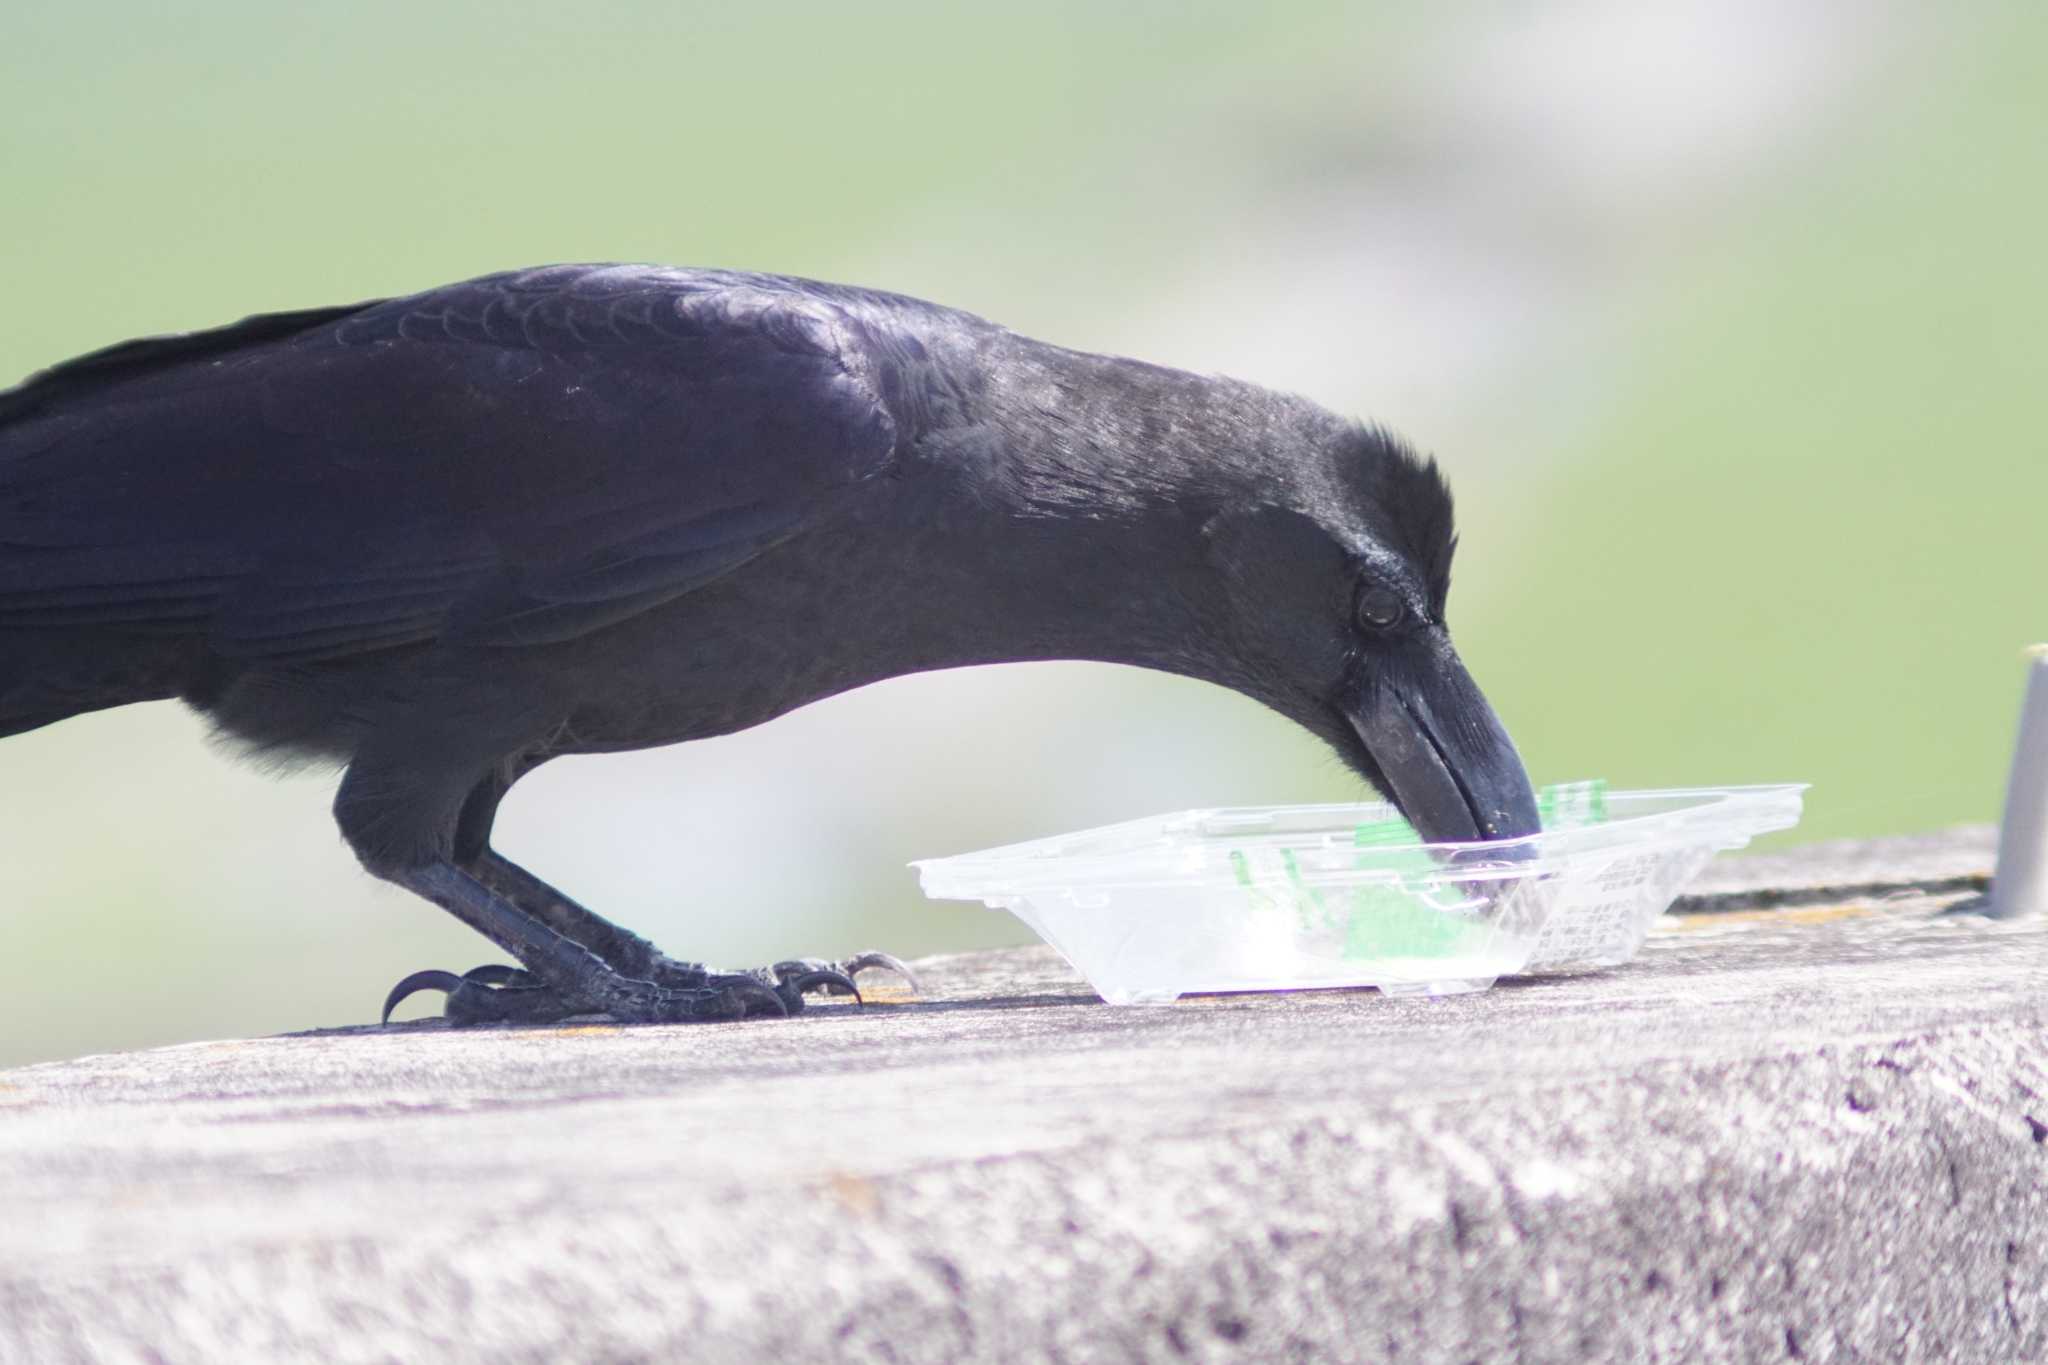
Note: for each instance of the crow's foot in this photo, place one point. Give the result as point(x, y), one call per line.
point(848, 967)
point(493, 993)
point(681, 993)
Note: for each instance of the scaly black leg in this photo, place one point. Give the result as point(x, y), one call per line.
point(632, 955)
point(626, 951)
point(572, 960)
point(562, 978)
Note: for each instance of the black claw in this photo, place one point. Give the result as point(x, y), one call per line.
point(498, 993)
point(832, 979)
point(491, 994)
point(854, 966)
point(838, 977)
point(429, 980)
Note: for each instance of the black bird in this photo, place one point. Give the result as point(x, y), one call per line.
point(442, 539)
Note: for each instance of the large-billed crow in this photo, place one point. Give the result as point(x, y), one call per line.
point(445, 538)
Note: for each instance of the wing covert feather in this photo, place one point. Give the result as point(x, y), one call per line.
point(519, 459)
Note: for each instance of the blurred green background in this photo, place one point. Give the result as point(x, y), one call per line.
point(1724, 317)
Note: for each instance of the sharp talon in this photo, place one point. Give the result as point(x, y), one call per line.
point(499, 993)
point(854, 966)
point(429, 980)
point(836, 977)
point(837, 982)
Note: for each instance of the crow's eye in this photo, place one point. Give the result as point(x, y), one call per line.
point(1379, 609)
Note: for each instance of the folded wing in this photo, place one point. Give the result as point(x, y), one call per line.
point(521, 459)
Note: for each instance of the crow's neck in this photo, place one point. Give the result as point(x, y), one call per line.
point(1081, 485)
point(1107, 436)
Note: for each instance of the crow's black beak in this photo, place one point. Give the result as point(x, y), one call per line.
point(1453, 770)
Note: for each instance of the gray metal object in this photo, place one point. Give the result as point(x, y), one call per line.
point(1814, 1132)
point(2020, 884)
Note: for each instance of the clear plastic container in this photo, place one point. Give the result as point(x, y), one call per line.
point(1311, 897)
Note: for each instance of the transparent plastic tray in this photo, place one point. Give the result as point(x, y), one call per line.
point(1310, 897)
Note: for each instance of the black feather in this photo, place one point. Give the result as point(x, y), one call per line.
point(596, 507)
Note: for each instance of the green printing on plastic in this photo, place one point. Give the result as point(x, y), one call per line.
point(1572, 805)
point(1386, 919)
point(1386, 922)
point(1561, 805)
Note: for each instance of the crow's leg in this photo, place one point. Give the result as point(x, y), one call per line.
point(432, 838)
point(400, 806)
point(626, 951)
point(635, 956)
point(562, 978)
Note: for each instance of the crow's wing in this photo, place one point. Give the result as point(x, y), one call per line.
point(520, 459)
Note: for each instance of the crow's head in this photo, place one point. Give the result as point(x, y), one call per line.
point(1335, 577)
